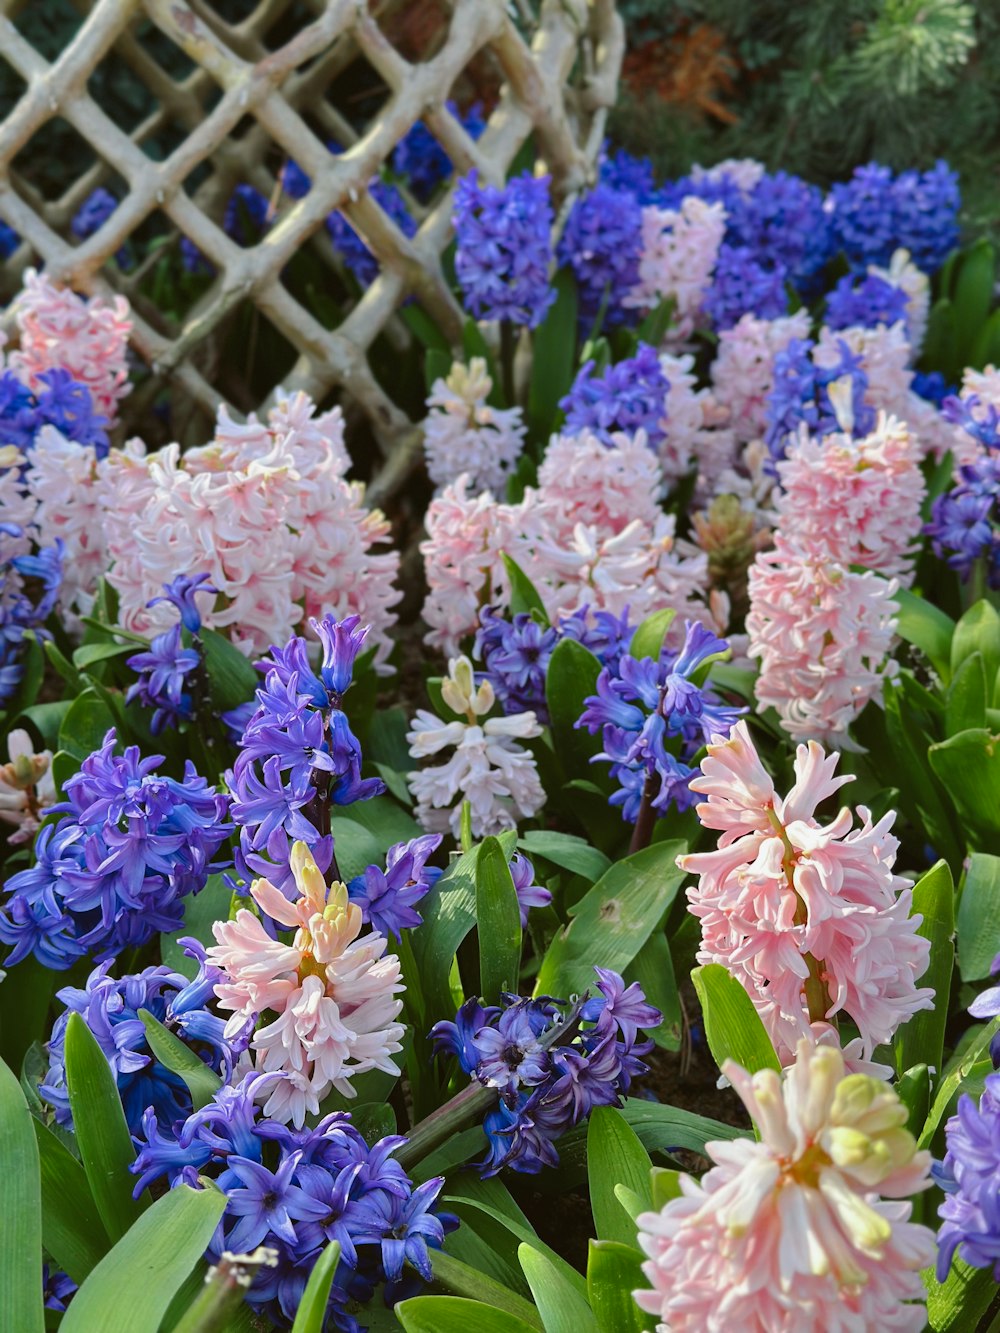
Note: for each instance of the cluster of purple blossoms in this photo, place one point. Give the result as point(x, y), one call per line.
point(874, 213)
point(114, 871)
point(800, 398)
point(550, 1067)
point(246, 216)
point(504, 249)
point(296, 1191)
point(602, 244)
point(21, 613)
point(92, 215)
point(743, 285)
point(516, 653)
point(782, 221)
point(298, 753)
point(864, 302)
point(641, 706)
point(164, 668)
point(622, 171)
point(110, 1008)
point(970, 1178)
point(59, 401)
point(388, 898)
point(965, 524)
point(420, 158)
point(932, 385)
point(629, 396)
point(721, 189)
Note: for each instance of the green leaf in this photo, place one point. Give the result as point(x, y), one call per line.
point(733, 1028)
point(61, 663)
point(613, 920)
point(523, 1233)
point(131, 1288)
point(914, 1090)
point(952, 1082)
point(615, 1156)
point(979, 917)
point(562, 1308)
point(941, 340)
point(21, 1309)
point(231, 677)
point(978, 631)
point(437, 366)
point(613, 1272)
point(664, 1185)
point(27, 995)
point(462, 1280)
point(90, 654)
point(565, 850)
point(202, 1082)
point(85, 725)
point(928, 628)
point(965, 705)
point(653, 969)
point(921, 1039)
point(373, 1120)
point(647, 641)
point(921, 794)
point(553, 348)
point(957, 1304)
point(498, 923)
point(72, 1230)
point(986, 343)
point(454, 1314)
point(973, 295)
point(420, 324)
point(200, 911)
point(310, 1317)
point(571, 677)
point(355, 847)
point(968, 766)
point(449, 917)
point(101, 1131)
point(46, 719)
point(482, 1241)
point(524, 596)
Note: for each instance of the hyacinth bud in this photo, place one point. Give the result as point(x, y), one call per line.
point(726, 533)
point(471, 383)
point(459, 691)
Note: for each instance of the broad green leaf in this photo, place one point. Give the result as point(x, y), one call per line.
point(921, 1039)
point(664, 1185)
point(952, 1082)
point(27, 995)
point(310, 1317)
point(462, 1280)
point(21, 1308)
point(965, 704)
point(565, 850)
point(957, 1304)
point(437, 366)
point(498, 923)
point(647, 641)
point(524, 1233)
point(653, 969)
point(978, 631)
point(928, 628)
point(91, 654)
point(613, 920)
point(382, 817)
point(613, 1272)
point(968, 766)
point(131, 1288)
point(986, 346)
point(420, 324)
point(615, 1156)
point(459, 1149)
point(85, 725)
point(454, 1314)
point(46, 719)
point(561, 1306)
point(914, 1090)
point(448, 918)
point(553, 345)
point(979, 917)
point(202, 1082)
point(354, 846)
point(733, 1028)
point(101, 1132)
point(921, 793)
point(973, 294)
point(941, 341)
point(571, 677)
point(373, 1120)
point(525, 598)
point(72, 1230)
point(231, 676)
point(200, 911)
point(485, 1240)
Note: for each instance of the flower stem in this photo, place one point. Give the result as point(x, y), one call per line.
point(645, 820)
point(507, 348)
point(464, 1108)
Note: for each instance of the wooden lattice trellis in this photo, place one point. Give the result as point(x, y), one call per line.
point(556, 71)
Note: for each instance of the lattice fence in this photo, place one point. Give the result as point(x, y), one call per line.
point(266, 88)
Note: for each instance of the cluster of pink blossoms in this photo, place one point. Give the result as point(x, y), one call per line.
point(743, 370)
point(265, 511)
point(807, 1230)
point(331, 994)
point(464, 434)
point(809, 917)
point(679, 250)
point(58, 329)
point(591, 534)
